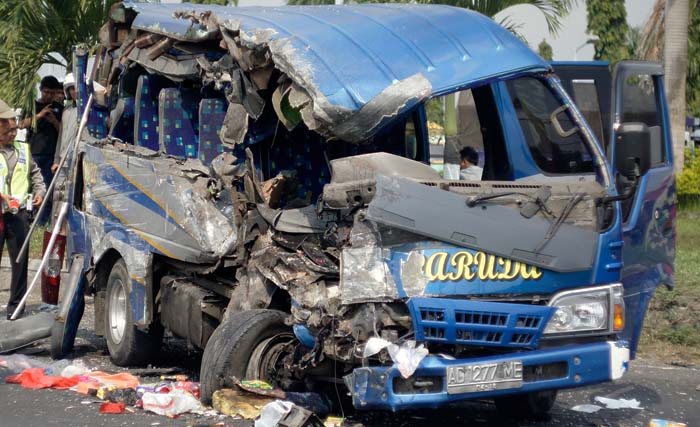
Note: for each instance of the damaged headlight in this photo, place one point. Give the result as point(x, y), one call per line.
point(587, 310)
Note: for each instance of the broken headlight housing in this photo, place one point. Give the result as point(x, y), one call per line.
point(587, 311)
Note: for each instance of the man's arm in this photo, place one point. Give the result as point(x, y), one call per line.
point(38, 186)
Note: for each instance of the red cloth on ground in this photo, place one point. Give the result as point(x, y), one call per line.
point(112, 408)
point(36, 378)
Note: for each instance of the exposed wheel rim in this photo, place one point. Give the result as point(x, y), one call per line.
point(268, 356)
point(117, 307)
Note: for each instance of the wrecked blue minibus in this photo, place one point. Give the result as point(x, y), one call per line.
point(259, 182)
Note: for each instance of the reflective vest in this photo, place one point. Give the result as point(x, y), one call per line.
point(19, 180)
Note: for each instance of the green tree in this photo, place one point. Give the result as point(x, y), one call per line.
point(219, 2)
point(607, 20)
point(545, 50)
point(36, 32)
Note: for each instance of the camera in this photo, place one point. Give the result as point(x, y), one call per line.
point(57, 109)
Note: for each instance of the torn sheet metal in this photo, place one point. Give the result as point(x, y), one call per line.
point(489, 227)
point(175, 69)
point(165, 202)
point(349, 87)
point(24, 331)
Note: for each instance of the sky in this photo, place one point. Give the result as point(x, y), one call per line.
point(569, 44)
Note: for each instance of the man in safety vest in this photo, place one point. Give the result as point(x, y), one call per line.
point(20, 177)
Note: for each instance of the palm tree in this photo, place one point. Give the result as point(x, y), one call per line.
point(665, 37)
point(37, 32)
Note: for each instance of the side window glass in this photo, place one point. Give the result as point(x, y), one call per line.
point(640, 105)
point(553, 153)
point(453, 126)
point(585, 93)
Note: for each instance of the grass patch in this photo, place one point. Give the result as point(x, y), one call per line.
point(36, 243)
point(672, 328)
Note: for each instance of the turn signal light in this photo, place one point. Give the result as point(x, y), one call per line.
point(619, 317)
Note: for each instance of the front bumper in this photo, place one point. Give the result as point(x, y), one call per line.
point(576, 365)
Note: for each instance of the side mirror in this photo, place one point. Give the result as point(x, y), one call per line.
point(633, 149)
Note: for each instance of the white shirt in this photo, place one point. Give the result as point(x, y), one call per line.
point(471, 173)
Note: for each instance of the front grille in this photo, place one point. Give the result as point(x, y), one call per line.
point(470, 322)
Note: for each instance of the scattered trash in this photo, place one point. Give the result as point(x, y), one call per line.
point(314, 402)
point(334, 422)
point(618, 403)
point(587, 408)
point(19, 362)
point(666, 423)
point(188, 386)
point(93, 381)
point(239, 403)
point(273, 412)
point(174, 403)
point(77, 367)
point(407, 357)
point(178, 377)
point(126, 396)
point(36, 378)
point(112, 408)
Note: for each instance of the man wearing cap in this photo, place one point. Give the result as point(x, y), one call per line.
point(19, 177)
point(44, 134)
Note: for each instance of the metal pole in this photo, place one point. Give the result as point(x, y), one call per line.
point(49, 191)
point(44, 259)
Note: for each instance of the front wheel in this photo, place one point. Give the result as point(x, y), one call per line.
point(248, 345)
point(527, 405)
point(127, 344)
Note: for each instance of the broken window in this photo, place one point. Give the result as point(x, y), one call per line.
point(467, 119)
point(548, 128)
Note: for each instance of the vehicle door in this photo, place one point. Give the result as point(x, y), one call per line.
point(641, 155)
point(628, 113)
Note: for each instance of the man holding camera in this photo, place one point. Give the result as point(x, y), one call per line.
point(44, 134)
point(19, 178)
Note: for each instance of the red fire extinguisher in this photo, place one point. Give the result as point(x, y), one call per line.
point(51, 275)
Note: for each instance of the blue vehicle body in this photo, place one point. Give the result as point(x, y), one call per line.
point(337, 95)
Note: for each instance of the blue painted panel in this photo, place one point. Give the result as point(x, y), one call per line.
point(352, 53)
point(80, 71)
point(211, 117)
point(97, 122)
point(179, 122)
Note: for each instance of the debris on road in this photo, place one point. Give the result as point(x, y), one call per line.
point(666, 423)
point(174, 403)
point(112, 408)
point(239, 403)
point(36, 378)
point(618, 403)
point(587, 408)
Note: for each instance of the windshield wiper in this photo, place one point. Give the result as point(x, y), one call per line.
point(535, 203)
point(554, 227)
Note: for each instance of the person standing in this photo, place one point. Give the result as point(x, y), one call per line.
point(69, 121)
point(46, 125)
point(19, 178)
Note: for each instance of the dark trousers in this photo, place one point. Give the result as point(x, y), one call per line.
point(15, 231)
point(44, 162)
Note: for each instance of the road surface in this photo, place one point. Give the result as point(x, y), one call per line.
point(665, 392)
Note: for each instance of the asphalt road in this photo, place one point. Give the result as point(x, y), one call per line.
point(665, 392)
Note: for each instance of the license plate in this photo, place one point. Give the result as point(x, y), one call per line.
point(474, 377)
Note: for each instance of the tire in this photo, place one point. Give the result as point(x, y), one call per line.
point(127, 344)
point(527, 405)
point(245, 345)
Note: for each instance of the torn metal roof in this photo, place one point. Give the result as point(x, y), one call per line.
point(351, 54)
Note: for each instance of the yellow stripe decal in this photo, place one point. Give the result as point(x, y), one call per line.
point(143, 235)
point(146, 192)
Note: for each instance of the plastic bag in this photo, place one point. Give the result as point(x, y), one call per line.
point(77, 367)
point(407, 357)
point(273, 412)
point(174, 403)
point(19, 362)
